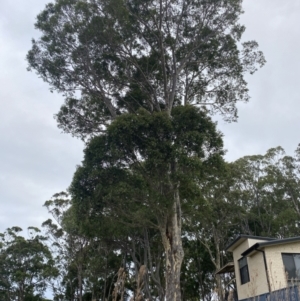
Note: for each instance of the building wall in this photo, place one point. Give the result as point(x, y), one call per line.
point(275, 263)
point(236, 256)
point(258, 281)
point(258, 284)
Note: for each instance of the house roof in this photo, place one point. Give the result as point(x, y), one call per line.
point(227, 268)
point(261, 245)
point(241, 238)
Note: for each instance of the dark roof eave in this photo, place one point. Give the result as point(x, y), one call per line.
point(257, 246)
point(227, 268)
point(237, 238)
point(251, 249)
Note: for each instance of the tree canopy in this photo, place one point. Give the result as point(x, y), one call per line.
point(111, 57)
point(130, 165)
point(26, 265)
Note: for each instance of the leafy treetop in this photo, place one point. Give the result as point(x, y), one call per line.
point(122, 55)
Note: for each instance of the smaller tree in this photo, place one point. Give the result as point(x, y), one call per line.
point(85, 260)
point(26, 265)
point(216, 220)
point(198, 272)
point(70, 248)
point(267, 188)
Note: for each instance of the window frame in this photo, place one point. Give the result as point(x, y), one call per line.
point(244, 270)
point(292, 255)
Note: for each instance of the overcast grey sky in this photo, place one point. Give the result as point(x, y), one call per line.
point(36, 160)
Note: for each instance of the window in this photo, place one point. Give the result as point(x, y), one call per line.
point(244, 272)
point(292, 265)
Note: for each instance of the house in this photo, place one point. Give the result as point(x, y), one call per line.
point(265, 268)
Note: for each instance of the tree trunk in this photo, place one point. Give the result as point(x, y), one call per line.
point(105, 281)
point(80, 282)
point(218, 266)
point(171, 236)
point(220, 288)
point(21, 294)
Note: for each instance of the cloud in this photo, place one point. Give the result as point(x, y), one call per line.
point(272, 117)
point(36, 160)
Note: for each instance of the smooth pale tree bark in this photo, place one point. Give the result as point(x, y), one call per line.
point(218, 277)
point(215, 255)
point(171, 234)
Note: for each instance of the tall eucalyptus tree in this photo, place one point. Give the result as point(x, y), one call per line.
point(110, 57)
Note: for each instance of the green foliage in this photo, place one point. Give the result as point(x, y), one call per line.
point(141, 159)
point(112, 218)
point(267, 189)
point(86, 262)
point(130, 174)
point(197, 277)
point(26, 265)
point(126, 55)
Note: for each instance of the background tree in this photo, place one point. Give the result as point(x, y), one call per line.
point(198, 271)
point(26, 266)
point(216, 222)
point(90, 252)
point(69, 246)
point(266, 188)
point(82, 260)
point(287, 172)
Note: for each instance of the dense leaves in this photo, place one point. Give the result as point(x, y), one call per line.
point(132, 173)
point(141, 159)
point(26, 266)
point(125, 55)
point(267, 188)
point(258, 195)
